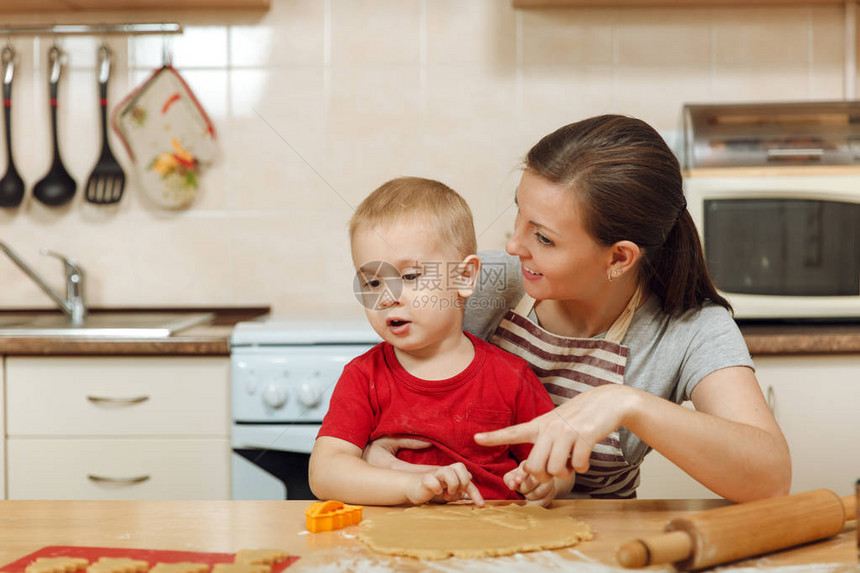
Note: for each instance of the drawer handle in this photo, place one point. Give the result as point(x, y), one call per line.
point(771, 399)
point(117, 401)
point(123, 481)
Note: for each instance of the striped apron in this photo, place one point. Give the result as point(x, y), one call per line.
point(569, 366)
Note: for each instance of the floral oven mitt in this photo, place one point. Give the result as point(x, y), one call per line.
point(168, 136)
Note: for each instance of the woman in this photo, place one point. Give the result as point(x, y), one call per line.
point(612, 305)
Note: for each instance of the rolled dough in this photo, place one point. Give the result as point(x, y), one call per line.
point(439, 531)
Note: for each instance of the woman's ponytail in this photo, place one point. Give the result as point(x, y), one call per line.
point(679, 274)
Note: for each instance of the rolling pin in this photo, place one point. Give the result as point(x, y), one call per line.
point(737, 531)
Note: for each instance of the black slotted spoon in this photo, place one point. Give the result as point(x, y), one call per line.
point(107, 181)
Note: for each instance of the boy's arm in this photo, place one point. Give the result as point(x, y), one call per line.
point(337, 472)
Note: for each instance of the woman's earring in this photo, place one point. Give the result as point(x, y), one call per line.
point(613, 273)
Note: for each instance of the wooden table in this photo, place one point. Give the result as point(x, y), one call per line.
point(227, 526)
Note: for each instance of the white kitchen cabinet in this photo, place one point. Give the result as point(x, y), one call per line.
point(2, 425)
point(117, 427)
point(816, 400)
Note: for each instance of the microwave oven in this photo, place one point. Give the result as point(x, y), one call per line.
point(781, 242)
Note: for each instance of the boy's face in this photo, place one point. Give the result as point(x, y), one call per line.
point(412, 288)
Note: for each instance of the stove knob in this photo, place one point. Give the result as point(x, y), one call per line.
point(310, 394)
point(275, 396)
point(251, 383)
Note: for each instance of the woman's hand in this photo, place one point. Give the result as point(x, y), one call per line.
point(447, 483)
point(563, 438)
point(519, 480)
point(382, 453)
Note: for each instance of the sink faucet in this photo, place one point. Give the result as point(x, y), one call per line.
point(73, 305)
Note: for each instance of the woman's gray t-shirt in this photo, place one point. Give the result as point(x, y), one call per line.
point(667, 355)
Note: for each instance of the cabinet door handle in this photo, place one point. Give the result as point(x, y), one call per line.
point(117, 401)
point(770, 396)
point(120, 481)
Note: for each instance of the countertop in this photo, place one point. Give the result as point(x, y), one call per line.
point(211, 339)
point(227, 526)
point(787, 338)
point(214, 339)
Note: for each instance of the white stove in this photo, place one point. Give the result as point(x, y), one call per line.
point(282, 375)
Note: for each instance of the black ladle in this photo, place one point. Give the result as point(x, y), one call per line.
point(11, 186)
point(57, 187)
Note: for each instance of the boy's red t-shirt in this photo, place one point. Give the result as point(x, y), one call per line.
point(375, 396)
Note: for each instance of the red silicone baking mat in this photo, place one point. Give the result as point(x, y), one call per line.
point(153, 556)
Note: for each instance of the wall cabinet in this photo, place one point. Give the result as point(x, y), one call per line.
point(816, 400)
point(34, 6)
point(117, 428)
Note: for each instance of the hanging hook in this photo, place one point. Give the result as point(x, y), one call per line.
point(7, 57)
point(55, 59)
point(104, 58)
point(166, 56)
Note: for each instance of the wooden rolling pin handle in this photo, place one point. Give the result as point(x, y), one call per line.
point(849, 502)
point(714, 536)
point(665, 548)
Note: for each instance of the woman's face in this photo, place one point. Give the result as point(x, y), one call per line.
point(560, 260)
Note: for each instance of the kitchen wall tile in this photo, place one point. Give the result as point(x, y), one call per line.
point(470, 93)
point(196, 47)
point(756, 83)
point(360, 156)
point(266, 174)
point(375, 92)
point(569, 36)
point(306, 262)
point(656, 94)
point(827, 73)
point(773, 35)
point(828, 35)
point(291, 33)
point(289, 95)
point(375, 32)
point(827, 82)
point(563, 94)
point(190, 254)
point(478, 32)
point(664, 37)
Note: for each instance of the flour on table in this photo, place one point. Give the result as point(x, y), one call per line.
point(440, 531)
point(355, 560)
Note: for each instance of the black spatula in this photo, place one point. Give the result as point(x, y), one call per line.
point(107, 181)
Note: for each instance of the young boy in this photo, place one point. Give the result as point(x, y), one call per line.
point(413, 246)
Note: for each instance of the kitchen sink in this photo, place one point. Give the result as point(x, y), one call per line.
point(101, 324)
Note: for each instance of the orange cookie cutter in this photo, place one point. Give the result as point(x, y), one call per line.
point(331, 515)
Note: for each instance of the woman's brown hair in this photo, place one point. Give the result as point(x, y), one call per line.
point(629, 184)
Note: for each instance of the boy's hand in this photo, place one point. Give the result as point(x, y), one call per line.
point(519, 480)
point(448, 483)
point(382, 453)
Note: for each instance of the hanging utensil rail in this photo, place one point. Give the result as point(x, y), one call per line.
point(93, 29)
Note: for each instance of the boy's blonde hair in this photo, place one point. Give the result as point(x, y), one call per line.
point(419, 200)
